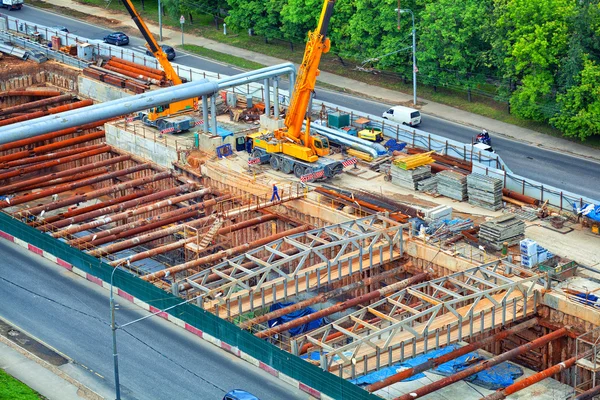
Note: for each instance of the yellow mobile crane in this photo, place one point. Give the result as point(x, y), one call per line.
point(292, 149)
point(161, 117)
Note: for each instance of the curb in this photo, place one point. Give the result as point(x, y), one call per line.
point(182, 324)
point(83, 391)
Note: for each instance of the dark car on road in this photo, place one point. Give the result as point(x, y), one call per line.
point(117, 38)
point(169, 51)
point(60, 28)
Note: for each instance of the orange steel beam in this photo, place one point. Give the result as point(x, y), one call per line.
point(48, 221)
point(52, 146)
point(122, 205)
point(142, 67)
point(34, 104)
point(116, 247)
point(132, 213)
point(344, 305)
point(535, 378)
point(432, 387)
point(47, 136)
point(66, 173)
point(50, 111)
point(52, 163)
point(32, 93)
point(321, 298)
point(180, 243)
point(434, 362)
point(80, 198)
point(70, 186)
point(135, 70)
point(222, 254)
point(50, 156)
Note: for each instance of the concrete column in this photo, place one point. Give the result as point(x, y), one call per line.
point(276, 95)
point(267, 88)
point(213, 113)
point(205, 113)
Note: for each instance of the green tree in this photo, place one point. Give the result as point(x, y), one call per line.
point(537, 36)
point(262, 16)
point(579, 114)
point(452, 41)
point(298, 17)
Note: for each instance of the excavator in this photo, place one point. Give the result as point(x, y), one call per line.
point(292, 148)
point(164, 116)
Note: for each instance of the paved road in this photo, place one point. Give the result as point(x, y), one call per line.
point(569, 173)
point(157, 360)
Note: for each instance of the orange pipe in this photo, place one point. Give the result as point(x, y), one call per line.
point(37, 103)
point(53, 146)
point(135, 75)
point(32, 93)
point(49, 156)
point(54, 110)
point(135, 70)
point(21, 118)
point(138, 66)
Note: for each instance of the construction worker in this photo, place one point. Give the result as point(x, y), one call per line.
point(275, 193)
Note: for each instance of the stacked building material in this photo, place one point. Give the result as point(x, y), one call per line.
point(437, 214)
point(428, 185)
point(409, 178)
point(452, 184)
point(411, 162)
point(506, 228)
point(484, 191)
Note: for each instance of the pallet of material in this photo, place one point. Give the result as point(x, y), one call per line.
point(485, 191)
point(506, 228)
point(428, 185)
point(409, 178)
point(411, 162)
point(452, 184)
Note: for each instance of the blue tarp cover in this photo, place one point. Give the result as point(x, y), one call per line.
point(496, 377)
point(294, 315)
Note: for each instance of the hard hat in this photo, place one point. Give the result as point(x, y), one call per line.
point(484, 131)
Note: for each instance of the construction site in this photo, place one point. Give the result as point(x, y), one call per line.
point(407, 269)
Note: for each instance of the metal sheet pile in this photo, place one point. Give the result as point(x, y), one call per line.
point(506, 228)
point(452, 184)
point(485, 191)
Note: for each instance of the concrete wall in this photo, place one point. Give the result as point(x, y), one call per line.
point(145, 148)
point(99, 91)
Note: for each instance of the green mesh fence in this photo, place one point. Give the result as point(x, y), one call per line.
point(278, 359)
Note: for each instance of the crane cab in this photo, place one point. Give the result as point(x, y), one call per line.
point(321, 145)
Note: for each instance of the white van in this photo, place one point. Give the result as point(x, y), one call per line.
point(403, 115)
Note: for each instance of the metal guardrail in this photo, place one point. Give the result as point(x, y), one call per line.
point(49, 53)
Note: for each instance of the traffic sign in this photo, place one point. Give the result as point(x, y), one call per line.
point(182, 20)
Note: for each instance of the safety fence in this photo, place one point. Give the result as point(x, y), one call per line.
point(193, 315)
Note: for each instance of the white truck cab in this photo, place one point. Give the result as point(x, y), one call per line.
point(403, 115)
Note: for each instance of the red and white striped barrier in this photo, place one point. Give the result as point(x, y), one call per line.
point(312, 176)
point(349, 162)
point(253, 161)
point(168, 130)
point(199, 122)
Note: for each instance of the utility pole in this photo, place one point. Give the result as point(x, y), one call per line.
point(160, 20)
point(414, 51)
point(182, 21)
point(113, 327)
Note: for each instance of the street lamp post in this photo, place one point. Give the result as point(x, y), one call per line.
point(414, 52)
point(113, 326)
point(160, 20)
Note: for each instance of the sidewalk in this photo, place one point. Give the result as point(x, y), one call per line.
point(388, 96)
point(39, 375)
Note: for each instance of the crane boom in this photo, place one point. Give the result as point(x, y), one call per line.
point(316, 45)
point(156, 50)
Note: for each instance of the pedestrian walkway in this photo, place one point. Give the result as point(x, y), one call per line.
point(39, 375)
point(495, 127)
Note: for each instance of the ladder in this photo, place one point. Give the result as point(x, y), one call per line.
point(210, 234)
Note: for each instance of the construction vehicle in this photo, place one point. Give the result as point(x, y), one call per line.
point(11, 4)
point(292, 148)
point(163, 117)
point(371, 134)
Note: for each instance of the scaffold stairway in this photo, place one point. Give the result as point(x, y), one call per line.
point(210, 234)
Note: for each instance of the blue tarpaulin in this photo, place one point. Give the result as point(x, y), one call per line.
point(294, 315)
point(496, 377)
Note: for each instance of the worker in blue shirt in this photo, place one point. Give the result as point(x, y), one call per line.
point(275, 194)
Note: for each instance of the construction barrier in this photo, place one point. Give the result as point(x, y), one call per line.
point(243, 344)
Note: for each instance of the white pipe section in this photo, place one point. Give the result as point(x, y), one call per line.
point(111, 109)
point(344, 139)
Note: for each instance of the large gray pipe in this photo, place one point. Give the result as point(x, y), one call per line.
point(106, 110)
point(345, 139)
